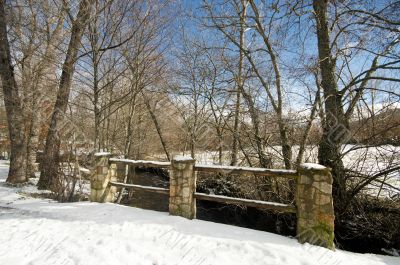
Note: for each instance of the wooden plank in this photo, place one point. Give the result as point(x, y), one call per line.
point(141, 163)
point(247, 170)
point(140, 187)
point(246, 202)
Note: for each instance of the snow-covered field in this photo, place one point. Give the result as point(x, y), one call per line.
point(39, 231)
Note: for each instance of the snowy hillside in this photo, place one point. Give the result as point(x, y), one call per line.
point(39, 231)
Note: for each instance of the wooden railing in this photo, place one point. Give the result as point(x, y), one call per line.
point(313, 198)
point(291, 174)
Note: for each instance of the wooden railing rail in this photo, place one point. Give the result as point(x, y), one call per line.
point(246, 202)
point(247, 170)
point(140, 187)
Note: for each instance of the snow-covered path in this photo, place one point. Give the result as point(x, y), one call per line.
point(38, 231)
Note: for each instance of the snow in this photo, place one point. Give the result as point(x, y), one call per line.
point(84, 170)
point(102, 154)
point(138, 162)
point(183, 158)
point(40, 231)
point(312, 166)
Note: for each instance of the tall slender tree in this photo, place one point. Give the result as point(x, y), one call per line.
point(49, 170)
point(12, 100)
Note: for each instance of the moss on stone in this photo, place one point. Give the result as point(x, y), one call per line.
point(325, 234)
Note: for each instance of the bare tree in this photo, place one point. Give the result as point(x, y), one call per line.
point(336, 125)
point(34, 53)
point(13, 104)
point(49, 170)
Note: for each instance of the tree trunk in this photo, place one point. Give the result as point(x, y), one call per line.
point(263, 159)
point(49, 171)
point(97, 113)
point(15, 120)
point(94, 39)
point(32, 146)
point(286, 147)
point(157, 125)
point(129, 129)
point(236, 133)
point(278, 106)
point(303, 140)
point(335, 128)
point(34, 79)
point(240, 82)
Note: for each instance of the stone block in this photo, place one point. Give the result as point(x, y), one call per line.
point(305, 180)
point(324, 187)
point(320, 177)
point(185, 192)
point(97, 185)
point(322, 199)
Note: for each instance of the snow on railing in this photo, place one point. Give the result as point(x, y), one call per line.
point(143, 163)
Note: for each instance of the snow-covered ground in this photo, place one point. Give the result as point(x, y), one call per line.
point(40, 231)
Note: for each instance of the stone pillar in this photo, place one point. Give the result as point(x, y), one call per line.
point(102, 174)
point(182, 184)
point(315, 214)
